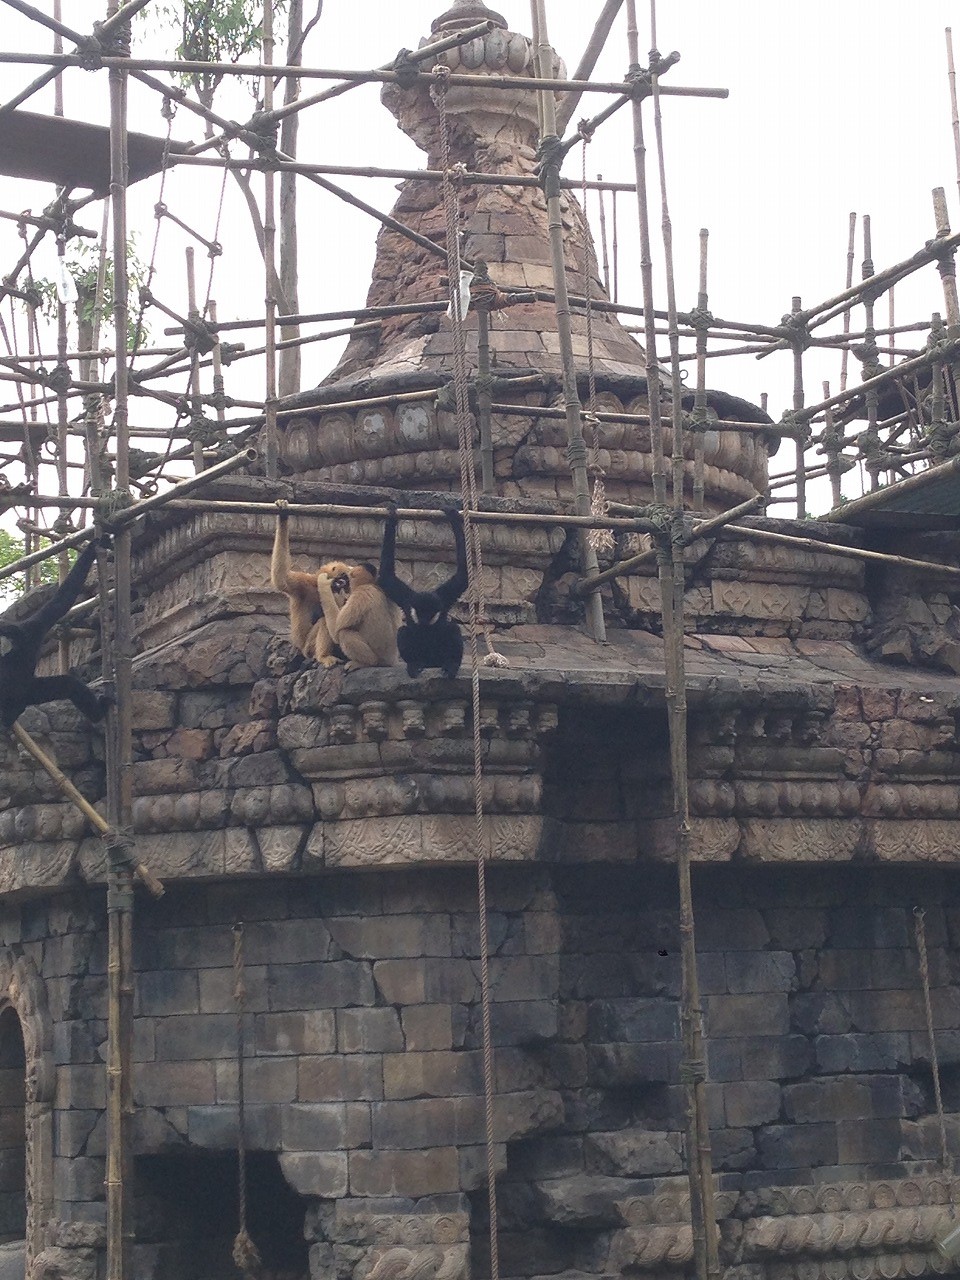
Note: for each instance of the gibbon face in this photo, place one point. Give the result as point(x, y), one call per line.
point(339, 575)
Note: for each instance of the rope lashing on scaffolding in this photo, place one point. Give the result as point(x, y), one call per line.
point(549, 157)
point(405, 69)
point(109, 505)
point(92, 49)
point(261, 132)
point(245, 1252)
point(58, 379)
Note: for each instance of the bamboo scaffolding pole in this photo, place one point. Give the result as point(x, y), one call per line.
point(870, 343)
point(798, 399)
point(484, 398)
point(96, 820)
point(468, 178)
point(652, 367)
point(954, 117)
point(837, 549)
point(701, 529)
point(585, 66)
point(898, 371)
point(700, 395)
point(671, 575)
point(851, 245)
point(120, 898)
point(414, 56)
point(271, 437)
point(457, 79)
point(576, 448)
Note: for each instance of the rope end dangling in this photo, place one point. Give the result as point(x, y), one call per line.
point(495, 659)
point(246, 1256)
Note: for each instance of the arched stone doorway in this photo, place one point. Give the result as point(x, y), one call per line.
point(26, 1113)
point(13, 1128)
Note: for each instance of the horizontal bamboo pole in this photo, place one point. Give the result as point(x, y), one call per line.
point(98, 822)
point(423, 54)
point(944, 348)
point(469, 178)
point(910, 485)
point(700, 530)
point(242, 459)
point(322, 509)
point(425, 78)
point(548, 411)
point(836, 549)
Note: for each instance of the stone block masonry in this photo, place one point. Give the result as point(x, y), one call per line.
point(363, 1074)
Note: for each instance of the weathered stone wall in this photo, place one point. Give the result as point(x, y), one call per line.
point(364, 1071)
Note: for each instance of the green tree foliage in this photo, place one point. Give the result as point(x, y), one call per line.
point(11, 550)
point(83, 264)
point(213, 31)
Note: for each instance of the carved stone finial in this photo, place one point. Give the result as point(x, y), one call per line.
point(465, 13)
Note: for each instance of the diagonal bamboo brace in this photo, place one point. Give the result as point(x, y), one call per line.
point(85, 807)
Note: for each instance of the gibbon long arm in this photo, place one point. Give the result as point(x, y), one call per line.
point(19, 687)
point(451, 590)
point(387, 579)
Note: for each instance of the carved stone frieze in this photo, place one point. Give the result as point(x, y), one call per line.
point(860, 1230)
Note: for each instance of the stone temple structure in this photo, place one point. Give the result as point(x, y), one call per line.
point(332, 814)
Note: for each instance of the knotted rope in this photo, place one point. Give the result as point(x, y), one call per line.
point(245, 1253)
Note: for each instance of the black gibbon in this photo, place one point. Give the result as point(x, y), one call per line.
point(308, 629)
point(427, 638)
point(20, 644)
point(364, 624)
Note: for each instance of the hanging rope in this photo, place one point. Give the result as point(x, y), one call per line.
point(245, 1253)
point(468, 487)
point(921, 932)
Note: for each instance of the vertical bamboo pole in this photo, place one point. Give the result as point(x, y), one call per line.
point(798, 404)
point(870, 358)
point(832, 450)
point(672, 577)
point(652, 367)
point(851, 242)
point(954, 118)
point(272, 449)
point(119, 797)
point(891, 321)
point(57, 49)
point(576, 448)
point(700, 397)
point(62, 415)
point(603, 237)
point(215, 355)
point(194, 314)
point(484, 398)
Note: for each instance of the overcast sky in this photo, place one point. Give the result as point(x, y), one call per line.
point(833, 108)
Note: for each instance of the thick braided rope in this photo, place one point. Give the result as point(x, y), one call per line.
point(468, 493)
point(245, 1253)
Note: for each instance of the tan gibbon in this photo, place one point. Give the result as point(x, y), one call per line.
point(308, 628)
point(364, 623)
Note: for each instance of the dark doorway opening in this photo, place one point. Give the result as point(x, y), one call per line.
point(13, 1137)
point(188, 1210)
